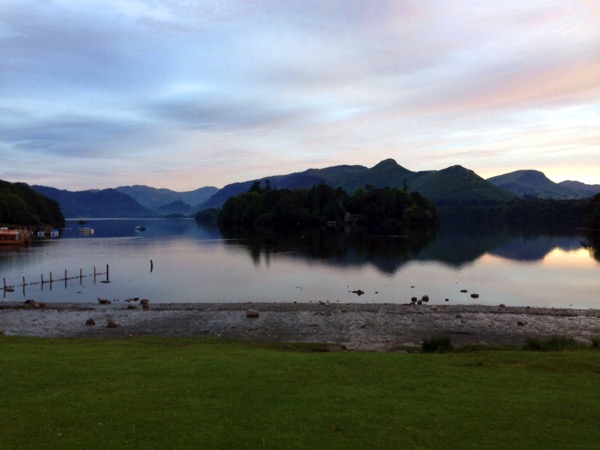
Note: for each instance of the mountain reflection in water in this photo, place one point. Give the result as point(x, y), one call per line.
point(193, 263)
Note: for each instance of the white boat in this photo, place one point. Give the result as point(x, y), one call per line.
point(140, 228)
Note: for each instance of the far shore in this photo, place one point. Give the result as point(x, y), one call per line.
point(369, 327)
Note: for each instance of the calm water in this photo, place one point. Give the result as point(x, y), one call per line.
point(196, 264)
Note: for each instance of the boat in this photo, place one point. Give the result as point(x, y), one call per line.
point(140, 228)
point(14, 236)
point(86, 230)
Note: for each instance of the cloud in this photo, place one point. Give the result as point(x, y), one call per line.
point(152, 89)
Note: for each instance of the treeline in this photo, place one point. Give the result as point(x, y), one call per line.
point(523, 214)
point(593, 213)
point(387, 209)
point(21, 205)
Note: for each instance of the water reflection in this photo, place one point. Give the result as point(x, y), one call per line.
point(386, 253)
point(194, 263)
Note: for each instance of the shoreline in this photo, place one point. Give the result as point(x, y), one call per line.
point(351, 326)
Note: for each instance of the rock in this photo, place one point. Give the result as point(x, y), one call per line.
point(104, 301)
point(358, 292)
point(112, 324)
point(474, 295)
point(131, 307)
point(90, 322)
point(459, 316)
point(463, 291)
point(502, 305)
point(30, 303)
point(252, 313)
point(521, 324)
point(42, 305)
point(414, 299)
point(425, 298)
point(447, 299)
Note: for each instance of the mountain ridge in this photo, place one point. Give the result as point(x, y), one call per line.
point(452, 185)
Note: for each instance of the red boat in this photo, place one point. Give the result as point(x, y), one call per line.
point(14, 236)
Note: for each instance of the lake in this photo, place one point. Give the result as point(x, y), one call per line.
point(177, 260)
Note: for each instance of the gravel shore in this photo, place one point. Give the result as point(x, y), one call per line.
point(369, 327)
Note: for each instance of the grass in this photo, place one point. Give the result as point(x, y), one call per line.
point(160, 393)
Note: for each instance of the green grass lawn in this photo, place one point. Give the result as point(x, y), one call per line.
point(158, 393)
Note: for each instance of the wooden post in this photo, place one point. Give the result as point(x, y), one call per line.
point(107, 278)
point(66, 278)
point(94, 274)
point(4, 279)
point(42, 280)
point(151, 265)
point(80, 276)
point(23, 281)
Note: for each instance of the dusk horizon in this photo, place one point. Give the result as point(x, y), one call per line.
point(181, 95)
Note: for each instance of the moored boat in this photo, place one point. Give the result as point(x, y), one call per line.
point(86, 230)
point(14, 236)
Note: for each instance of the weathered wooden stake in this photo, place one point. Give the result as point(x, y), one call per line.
point(94, 274)
point(4, 279)
point(107, 278)
point(151, 265)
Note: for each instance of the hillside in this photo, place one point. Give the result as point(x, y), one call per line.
point(532, 183)
point(167, 200)
point(581, 189)
point(21, 205)
point(95, 203)
point(449, 185)
point(457, 184)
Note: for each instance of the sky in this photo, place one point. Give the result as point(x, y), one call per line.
point(182, 94)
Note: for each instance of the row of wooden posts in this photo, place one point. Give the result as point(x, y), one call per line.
point(9, 288)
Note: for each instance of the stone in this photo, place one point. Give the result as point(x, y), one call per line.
point(463, 291)
point(112, 324)
point(252, 313)
point(521, 324)
point(90, 322)
point(425, 298)
point(474, 295)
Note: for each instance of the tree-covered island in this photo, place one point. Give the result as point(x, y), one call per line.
point(384, 210)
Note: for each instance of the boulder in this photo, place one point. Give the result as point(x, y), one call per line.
point(252, 313)
point(90, 322)
point(112, 324)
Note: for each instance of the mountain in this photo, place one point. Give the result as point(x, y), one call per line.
point(160, 199)
point(581, 189)
point(456, 184)
point(449, 185)
point(176, 207)
point(95, 203)
point(534, 184)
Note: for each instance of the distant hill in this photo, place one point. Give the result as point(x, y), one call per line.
point(165, 199)
point(581, 189)
point(449, 185)
point(534, 184)
point(22, 205)
point(457, 184)
point(95, 203)
point(176, 207)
